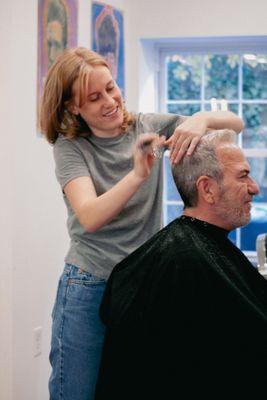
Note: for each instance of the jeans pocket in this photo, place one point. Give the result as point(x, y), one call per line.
point(84, 287)
point(88, 277)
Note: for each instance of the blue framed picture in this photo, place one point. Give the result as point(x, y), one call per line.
point(108, 39)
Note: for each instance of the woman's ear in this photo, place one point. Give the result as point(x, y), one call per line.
point(73, 109)
point(207, 189)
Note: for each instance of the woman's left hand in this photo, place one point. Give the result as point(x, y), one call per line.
point(185, 138)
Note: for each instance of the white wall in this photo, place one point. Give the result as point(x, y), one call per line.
point(190, 18)
point(33, 235)
point(6, 208)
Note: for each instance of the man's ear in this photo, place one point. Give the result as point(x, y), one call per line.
point(207, 189)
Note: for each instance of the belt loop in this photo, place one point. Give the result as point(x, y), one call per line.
point(68, 269)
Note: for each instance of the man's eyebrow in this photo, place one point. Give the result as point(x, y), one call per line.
point(244, 171)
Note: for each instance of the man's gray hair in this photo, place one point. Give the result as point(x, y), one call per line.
point(203, 162)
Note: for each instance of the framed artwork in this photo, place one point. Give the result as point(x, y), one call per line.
point(108, 38)
point(57, 30)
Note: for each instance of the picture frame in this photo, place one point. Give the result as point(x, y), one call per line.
point(108, 39)
point(57, 31)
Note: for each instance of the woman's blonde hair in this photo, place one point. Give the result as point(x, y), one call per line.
point(55, 117)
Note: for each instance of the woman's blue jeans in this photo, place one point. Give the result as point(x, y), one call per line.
point(77, 335)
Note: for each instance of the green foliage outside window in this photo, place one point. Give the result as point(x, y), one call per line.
point(221, 76)
point(226, 68)
point(184, 78)
point(241, 79)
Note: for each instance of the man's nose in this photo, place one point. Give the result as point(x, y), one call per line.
point(253, 187)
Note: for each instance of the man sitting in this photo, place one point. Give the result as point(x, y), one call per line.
point(186, 313)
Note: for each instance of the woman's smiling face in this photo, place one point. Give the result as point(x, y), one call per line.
point(103, 106)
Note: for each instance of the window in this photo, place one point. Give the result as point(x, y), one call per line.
point(193, 71)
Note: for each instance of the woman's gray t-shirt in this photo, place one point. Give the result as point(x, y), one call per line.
point(107, 161)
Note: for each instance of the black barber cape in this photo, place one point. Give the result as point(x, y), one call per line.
point(186, 317)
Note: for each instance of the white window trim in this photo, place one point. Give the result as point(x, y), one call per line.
point(158, 49)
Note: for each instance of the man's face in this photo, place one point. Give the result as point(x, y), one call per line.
point(237, 189)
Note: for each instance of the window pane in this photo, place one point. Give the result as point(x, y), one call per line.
point(171, 191)
point(173, 211)
point(255, 132)
point(221, 76)
point(254, 76)
point(257, 226)
point(183, 109)
point(184, 77)
point(258, 167)
point(233, 108)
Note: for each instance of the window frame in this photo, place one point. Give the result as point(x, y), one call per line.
point(203, 46)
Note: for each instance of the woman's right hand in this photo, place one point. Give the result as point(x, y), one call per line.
point(144, 153)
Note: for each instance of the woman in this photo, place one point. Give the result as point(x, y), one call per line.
point(112, 187)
